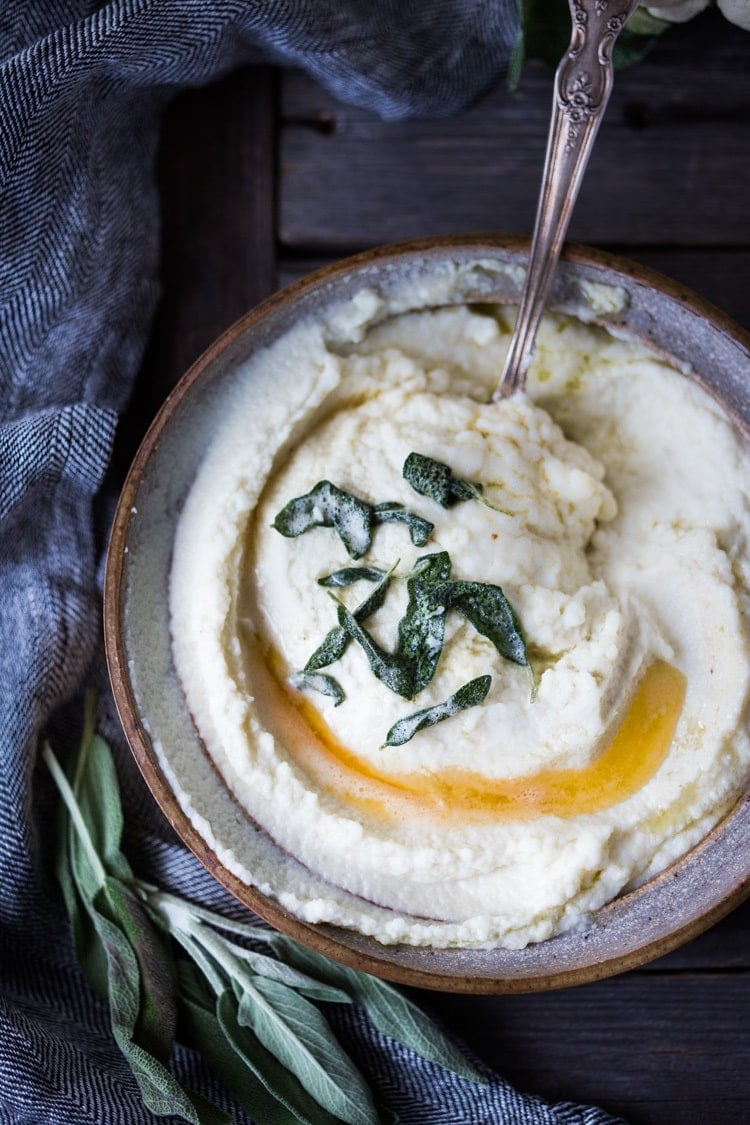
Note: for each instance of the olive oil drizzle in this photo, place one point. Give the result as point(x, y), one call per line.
point(625, 764)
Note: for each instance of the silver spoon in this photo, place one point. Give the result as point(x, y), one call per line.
point(583, 83)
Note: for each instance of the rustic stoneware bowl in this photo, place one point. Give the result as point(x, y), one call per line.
point(638, 926)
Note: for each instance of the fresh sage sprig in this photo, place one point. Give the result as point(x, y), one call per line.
point(352, 518)
point(470, 695)
point(247, 998)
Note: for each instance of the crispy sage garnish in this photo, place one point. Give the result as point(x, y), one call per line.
point(348, 575)
point(334, 643)
point(435, 480)
point(325, 505)
point(470, 695)
point(421, 631)
point(326, 685)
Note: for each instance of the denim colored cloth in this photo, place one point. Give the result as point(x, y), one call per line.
point(82, 86)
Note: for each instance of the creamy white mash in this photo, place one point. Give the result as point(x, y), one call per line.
point(616, 524)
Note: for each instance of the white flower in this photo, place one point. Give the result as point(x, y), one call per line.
point(738, 11)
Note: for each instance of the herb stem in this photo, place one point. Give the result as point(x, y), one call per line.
point(74, 812)
point(164, 902)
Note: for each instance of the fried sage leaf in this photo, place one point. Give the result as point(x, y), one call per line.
point(390, 667)
point(326, 685)
point(470, 695)
point(435, 480)
point(348, 575)
point(492, 615)
point(420, 529)
point(421, 631)
point(325, 505)
point(334, 643)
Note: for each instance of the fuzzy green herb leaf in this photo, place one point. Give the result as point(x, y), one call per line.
point(328, 506)
point(419, 528)
point(325, 505)
point(435, 480)
point(317, 681)
point(348, 575)
point(293, 1030)
point(390, 1011)
point(470, 695)
point(288, 1094)
point(224, 985)
point(334, 644)
point(492, 615)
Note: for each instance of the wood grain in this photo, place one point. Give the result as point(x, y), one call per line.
point(670, 166)
point(216, 174)
point(659, 1049)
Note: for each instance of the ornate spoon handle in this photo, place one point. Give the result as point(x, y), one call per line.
point(582, 87)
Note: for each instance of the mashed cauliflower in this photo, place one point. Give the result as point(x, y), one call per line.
point(610, 506)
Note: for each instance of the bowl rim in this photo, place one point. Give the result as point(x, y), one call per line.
point(322, 939)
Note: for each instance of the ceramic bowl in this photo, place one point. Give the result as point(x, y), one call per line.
point(634, 928)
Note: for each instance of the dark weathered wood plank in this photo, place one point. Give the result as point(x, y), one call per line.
point(662, 1050)
point(725, 947)
point(670, 165)
point(216, 174)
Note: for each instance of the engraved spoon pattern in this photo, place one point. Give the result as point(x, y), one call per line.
point(583, 83)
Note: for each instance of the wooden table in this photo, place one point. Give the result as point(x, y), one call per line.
point(264, 176)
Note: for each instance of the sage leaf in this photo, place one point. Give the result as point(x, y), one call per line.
point(435, 480)
point(325, 505)
point(201, 1030)
point(492, 615)
point(390, 1011)
point(161, 1092)
point(353, 518)
point(390, 668)
point(348, 575)
point(421, 631)
point(326, 685)
point(97, 794)
point(157, 1016)
point(88, 948)
point(331, 649)
point(419, 528)
point(274, 969)
point(334, 644)
point(397, 1017)
point(296, 1033)
point(277, 1080)
point(470, 695)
